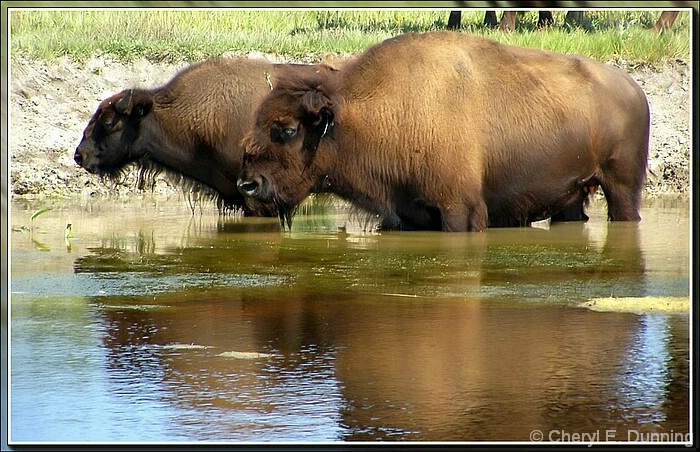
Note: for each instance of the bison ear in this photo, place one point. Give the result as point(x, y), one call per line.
point(123, 104)
point(317, 126)
point(318, 118)
point(314, 101)
point(128, 105)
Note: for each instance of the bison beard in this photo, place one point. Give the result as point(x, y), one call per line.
point(286, 212)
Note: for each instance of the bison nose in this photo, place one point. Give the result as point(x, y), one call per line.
point(78, 158)
point(249, 187)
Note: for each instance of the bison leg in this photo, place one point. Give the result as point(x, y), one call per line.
point(622, 185)
point(574, 18)
point(623, 175)
point(508, 21)
point(665, 21)
point(464, 217)
point(623, 202)
point(418, 217)
point(573, 212)
point(545, 19)
point(490, 19)
point(454, 22)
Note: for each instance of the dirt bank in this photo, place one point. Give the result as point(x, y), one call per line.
point(50, 105)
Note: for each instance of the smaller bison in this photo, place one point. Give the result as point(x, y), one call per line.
point(447, 131)
point(192, 127)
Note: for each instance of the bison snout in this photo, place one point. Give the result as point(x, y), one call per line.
point(83, 159)
point(78, 157)
point(251, 186)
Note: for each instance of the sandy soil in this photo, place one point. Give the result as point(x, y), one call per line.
point(640, 305)
point(50, 105)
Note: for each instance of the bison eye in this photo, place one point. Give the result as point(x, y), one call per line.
point(281, 134)
point(109, 122)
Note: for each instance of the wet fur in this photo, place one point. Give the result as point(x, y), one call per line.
point(147, 173)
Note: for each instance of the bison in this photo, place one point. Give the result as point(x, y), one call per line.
point(443, 130)
point(192, 126)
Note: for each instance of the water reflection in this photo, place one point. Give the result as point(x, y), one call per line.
point(363, 369)
point(566, 263)
point(289, 392)
point(225, 329)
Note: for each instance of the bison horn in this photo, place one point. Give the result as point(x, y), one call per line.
point(325, 129)
point(327, 117)
point(123, 105)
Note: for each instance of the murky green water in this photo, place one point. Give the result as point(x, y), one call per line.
point(151, 324)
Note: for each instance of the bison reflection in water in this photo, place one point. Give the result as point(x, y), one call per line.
point(462, 366)
point(444, 130)
point(191, 127)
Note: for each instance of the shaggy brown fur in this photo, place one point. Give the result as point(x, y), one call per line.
point(190, 128)
point(444, 130)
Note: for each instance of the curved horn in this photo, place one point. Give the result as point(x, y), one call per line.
point(123, 105)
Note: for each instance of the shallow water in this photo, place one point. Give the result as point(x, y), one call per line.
point(149, 323)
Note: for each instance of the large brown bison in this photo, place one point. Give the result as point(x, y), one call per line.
point(444, 130)
point(192, 126)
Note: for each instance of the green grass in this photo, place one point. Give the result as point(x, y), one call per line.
point(190, 35)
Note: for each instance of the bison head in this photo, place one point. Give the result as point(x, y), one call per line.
point(107, 143)
point(285, 157)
